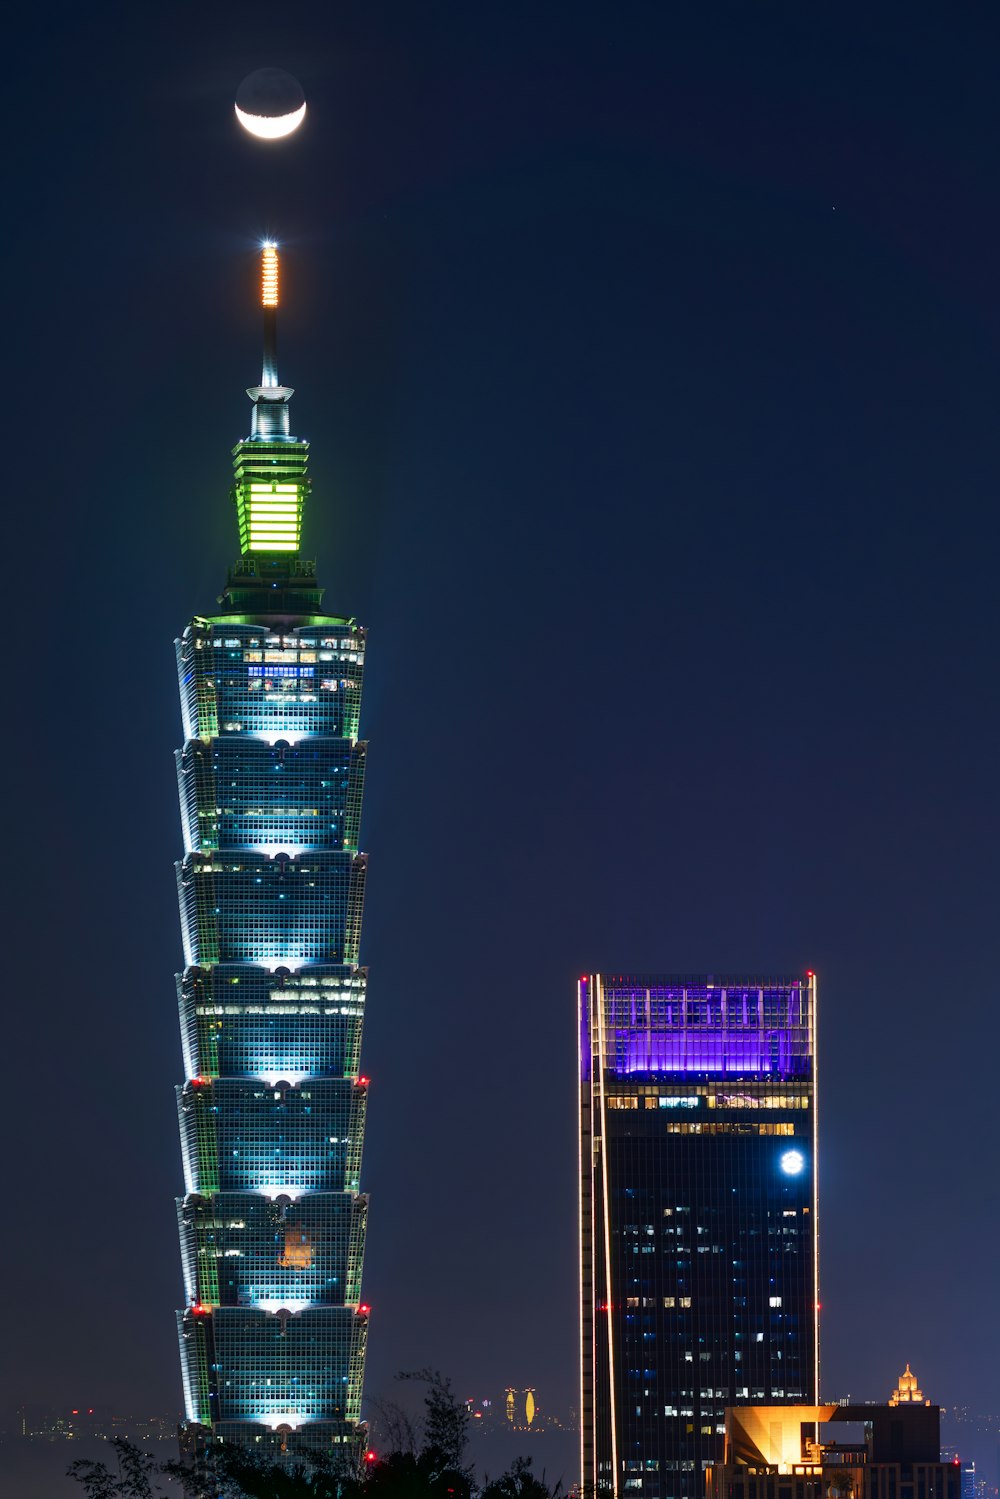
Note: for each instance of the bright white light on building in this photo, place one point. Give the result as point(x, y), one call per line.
point(793, 1162)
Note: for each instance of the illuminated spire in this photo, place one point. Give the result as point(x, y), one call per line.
point(270, 464)
point(270, 399)
point(269, 274)
point(269, 302)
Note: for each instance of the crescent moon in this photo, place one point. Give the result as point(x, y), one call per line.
point(271, 127)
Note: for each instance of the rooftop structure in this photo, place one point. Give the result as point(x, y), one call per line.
point(907, 1391)
point(783, 1452)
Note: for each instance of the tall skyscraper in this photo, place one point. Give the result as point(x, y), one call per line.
point(697, 1219)
point(272, 1113)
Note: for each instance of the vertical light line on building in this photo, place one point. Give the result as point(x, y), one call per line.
point(814, 1032)
point(602, 1045)
point(580, 1159)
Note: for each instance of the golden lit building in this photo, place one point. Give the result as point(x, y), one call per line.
point(782, 1452)
point(907, 1392)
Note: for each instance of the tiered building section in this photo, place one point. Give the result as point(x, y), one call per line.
point(271, 889)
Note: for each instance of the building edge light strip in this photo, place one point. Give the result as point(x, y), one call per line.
point(599, 997)
point(579, 1186)
point(813, 1036)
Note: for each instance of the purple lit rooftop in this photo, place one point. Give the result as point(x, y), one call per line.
point(684, 1029)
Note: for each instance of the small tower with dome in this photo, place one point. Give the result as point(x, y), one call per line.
point(908, 1392)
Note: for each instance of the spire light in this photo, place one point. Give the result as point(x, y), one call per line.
point(269, 275)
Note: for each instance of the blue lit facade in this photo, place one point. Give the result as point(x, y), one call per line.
point(271, 999)
point(697, 1219)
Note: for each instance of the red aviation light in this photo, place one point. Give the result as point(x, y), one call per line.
point(370, 1456)
point(364, 1309)
point(363, 1082)
point(198, 1309)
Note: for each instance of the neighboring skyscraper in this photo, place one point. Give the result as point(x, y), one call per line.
point(697, 1219)
point(271, 999)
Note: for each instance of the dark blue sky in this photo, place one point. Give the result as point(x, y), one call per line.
point(649, 354)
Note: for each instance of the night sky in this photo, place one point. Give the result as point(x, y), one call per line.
point(649, 355)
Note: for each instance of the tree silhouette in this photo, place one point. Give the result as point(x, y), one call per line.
point(131, 1477)
point(426, 1460)
point(519, 1483)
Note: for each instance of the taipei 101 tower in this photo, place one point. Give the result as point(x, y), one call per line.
point(271, 887)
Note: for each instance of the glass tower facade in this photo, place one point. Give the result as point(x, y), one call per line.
point(271, 888)
point(697, 1219)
